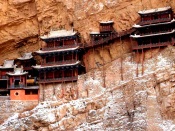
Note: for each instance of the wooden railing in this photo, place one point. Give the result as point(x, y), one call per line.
point(154, 21)
point(156, 32)
point(59, 62)
point(60, 47)
point(113, 35)
point(151, 45)
point(3, 77)
point(59, 80)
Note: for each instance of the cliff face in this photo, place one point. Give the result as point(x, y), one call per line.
point(121, 102)
point(134, 103)
point(22, 21)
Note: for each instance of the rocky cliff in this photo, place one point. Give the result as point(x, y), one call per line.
point(22, 21)
point(135, 103)
point(112, 97)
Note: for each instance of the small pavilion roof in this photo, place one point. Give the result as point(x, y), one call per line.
point(107, 22)
point(17, 72)
point(94, 33)
point(7, 64)
point(154, 10)
point(43, 67)
point(141, 26)
point(58, 33)
point(157, 34)
point(26, 56)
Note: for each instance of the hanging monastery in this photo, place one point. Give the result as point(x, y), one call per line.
point(62, 55)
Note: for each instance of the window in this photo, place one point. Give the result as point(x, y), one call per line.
point(50, 45)
point(49, 75)
point(156, 17)
point(41, 75)
point(31, 92)
point(50, 59)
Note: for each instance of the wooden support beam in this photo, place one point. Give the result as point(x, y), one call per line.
point(137, 60)
point(93, 64)
point(143, 56)
point(121, 58)
point(104, 82)
point(43, 92)
point(76, 57)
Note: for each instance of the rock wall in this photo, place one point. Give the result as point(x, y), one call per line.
point(22, 21)
point(8, 108)
point(111, 97)
point(133, 104)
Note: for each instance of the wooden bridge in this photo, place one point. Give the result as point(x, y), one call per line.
point(111, 36)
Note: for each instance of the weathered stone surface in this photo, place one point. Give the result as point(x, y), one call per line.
point(124, 94)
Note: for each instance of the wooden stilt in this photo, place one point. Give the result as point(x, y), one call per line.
point(137, 63)
point(71, 90)
point(43, 93)
point(104, 83)
point(53, 88)
point(93, 64)
point(121, 67)
point(143, 56)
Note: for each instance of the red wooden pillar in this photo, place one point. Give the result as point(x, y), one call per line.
point(44, 76)
point(76, 56)
point(53, 74)
point(72, 72)
point(54, 58)
point(44, 59)
point(63, 42)
point(63, 58)
point(62, 75)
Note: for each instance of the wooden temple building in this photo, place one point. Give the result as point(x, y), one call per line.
point(156, 29)
point(27, 61)
point(105, 34)
point(8, 66)
point(17, 85)
point(61, 59)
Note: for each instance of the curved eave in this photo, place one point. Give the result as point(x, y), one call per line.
point(139, 36)
point(17, 74)
point(1, 67)
point(39, 67)
point(144, 12)
point(107, 22)
point(56, 37)
point(58, 50)
point(94, 33)
point(165, 23)
point(21, 58)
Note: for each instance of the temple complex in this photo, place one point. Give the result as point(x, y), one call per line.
point(17, 85)
point(61, 60)
point(156, 29)
point(8, 66)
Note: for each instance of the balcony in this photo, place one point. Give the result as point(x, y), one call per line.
point(60, 47)
point(156, 32)
point(59, 80)
point(154, 21)
point(16, 86)
point(60, 62)
point(151, 45)
point(4, 77)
